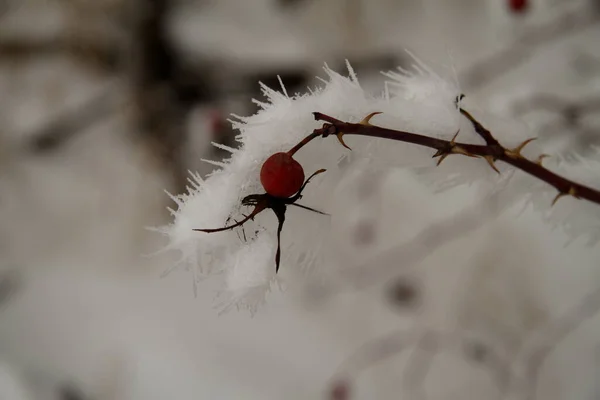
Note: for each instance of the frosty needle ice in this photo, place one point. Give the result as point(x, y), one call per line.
point(282, 176)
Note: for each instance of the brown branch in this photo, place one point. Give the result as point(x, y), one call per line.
point(260, 207)
point(490, 153)
point(154, 68)
point(304, 142)
point(480, 129)
point(86, 49)
point(71, 123)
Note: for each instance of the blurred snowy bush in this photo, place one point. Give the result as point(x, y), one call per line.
point(420, 101)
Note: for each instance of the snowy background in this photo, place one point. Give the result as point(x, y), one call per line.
point(106, 104)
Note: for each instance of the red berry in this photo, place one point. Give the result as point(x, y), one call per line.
point(340, 391)
point(216, 122)
point(518, 6)
point(281, 175)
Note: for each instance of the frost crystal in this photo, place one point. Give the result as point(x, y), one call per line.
point(422, 102)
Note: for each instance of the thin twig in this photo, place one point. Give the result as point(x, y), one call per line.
point(552, 336)
point(73, 122)
point(570, 110)
point(422, 340)
point(154, 70)
point(490, 153)
point(483, 72)
point(419, 365)
point(377, 350)
point(424, 243)
point(480, 129)
point(88, 50)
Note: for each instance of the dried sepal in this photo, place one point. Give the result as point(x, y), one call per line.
point(265, 201)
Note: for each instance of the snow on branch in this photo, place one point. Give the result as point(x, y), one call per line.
point(220, 228)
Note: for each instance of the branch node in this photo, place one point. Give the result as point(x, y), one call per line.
point(328, 129)
point(459, 150)
point(452, 148)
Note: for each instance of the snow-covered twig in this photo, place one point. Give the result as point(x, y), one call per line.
point(490, 152)
point(500, 63)
point(571, 111)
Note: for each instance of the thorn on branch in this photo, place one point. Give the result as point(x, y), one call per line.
point(492, 151)
point(538, 160)
point(516, 152)
point(340, 139)
point(365, 120)
point(491, 161)
point(339, 134)
point(572, 192)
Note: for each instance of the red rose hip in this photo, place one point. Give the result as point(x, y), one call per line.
point(281, 175)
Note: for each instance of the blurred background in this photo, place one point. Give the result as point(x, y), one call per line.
point(105, 104)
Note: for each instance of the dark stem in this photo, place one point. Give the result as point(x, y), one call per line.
point(308, 208)
point(501, 62)
point(155, 66)
point(375, 131)
point(492, 152)
point(570, 111)
point(279, 211)
point(481, 131)
point(302, 143)
point(258, 209)
point(298, 195)
point(67, 126)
